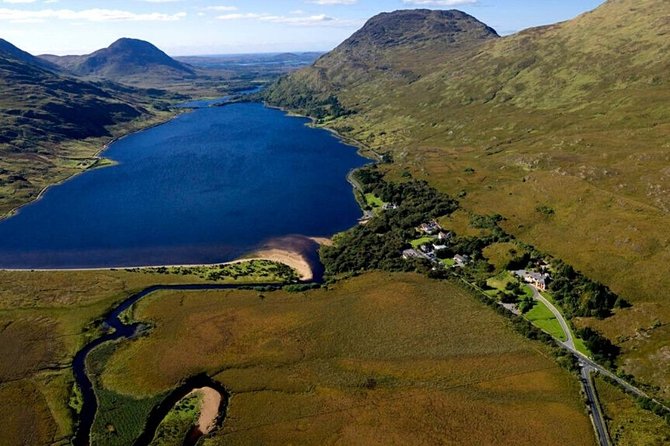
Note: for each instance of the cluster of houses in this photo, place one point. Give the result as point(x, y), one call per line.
point(440, 242)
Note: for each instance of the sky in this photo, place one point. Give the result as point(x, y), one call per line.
point(197, 27)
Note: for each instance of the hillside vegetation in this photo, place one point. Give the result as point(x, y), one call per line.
point(570, 119)
point(52, 124)
point(392, 49)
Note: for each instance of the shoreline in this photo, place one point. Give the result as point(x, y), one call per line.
point(362, 147)
point(292, 259)
point(97, 157)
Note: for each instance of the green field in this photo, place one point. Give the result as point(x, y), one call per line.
point(543, 318)
point(509, 125)
point(373, 200)
point(421, 241)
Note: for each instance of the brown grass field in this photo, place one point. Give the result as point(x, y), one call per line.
point(629, 425)
point(45, 318)
point(379, 359)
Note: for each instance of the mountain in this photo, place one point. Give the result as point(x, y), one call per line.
point(562, 130)
point(128, 61)
point(7, 50)
point(391, 49)
point(47, 119)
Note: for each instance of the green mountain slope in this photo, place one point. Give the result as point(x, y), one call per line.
point(392, 49)
point(128, 61)
point(571, 117)
point(49, 124)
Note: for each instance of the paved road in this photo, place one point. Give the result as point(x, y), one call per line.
point(587, 367)
point(570, 345)
point(592, 402)
point(569, 341)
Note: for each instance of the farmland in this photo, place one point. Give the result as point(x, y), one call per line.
point(381, 357)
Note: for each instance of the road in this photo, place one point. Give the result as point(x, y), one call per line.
point(587, 367)
point(592, 402)
point(569, 341)
point(570, 345)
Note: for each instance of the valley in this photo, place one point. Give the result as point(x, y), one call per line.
point(195, 253)
point(525, 123)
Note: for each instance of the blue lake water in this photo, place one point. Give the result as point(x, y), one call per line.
point(206, 187)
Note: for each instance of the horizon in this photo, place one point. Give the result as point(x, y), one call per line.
point(213, 28)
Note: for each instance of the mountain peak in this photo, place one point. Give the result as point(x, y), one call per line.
point(411, 26)
point(127, 60)
point(126, 56)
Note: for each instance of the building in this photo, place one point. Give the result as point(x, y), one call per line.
point(461, 260)
point(539, 280)
point(411, 254)
point(445, 236)
point(429, 228)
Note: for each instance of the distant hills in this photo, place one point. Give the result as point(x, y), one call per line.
point(9, 51)
point(126, 60)
point(40, 105)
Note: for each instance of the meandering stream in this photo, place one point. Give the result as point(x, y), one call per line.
point(120, 330)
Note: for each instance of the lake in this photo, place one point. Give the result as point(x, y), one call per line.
point(206, 187)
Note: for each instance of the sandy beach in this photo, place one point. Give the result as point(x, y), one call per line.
point(293, 259)
point(209, 409)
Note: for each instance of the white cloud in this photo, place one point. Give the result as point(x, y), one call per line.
point(293, 20)
point(302, 20)
point(440, 2)
point(333, 2)
point(221, 8)
point(18, 1)
point(238, 16)
point(89, 15)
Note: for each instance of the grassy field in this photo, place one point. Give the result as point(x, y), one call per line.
point(540, 316)
point(421, 241)
point(500, 254)
point(563, 130)
point(373, 200)
point(382, 358)
point(45, 318)
point(629, 425)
